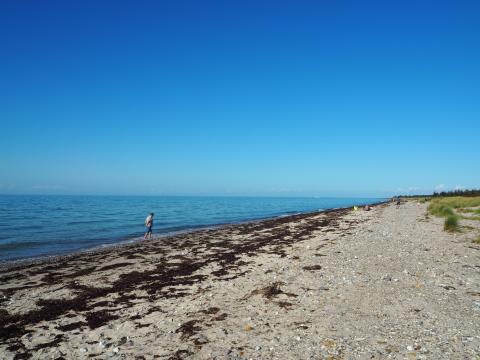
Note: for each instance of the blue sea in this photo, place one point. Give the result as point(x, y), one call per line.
point(37, 225)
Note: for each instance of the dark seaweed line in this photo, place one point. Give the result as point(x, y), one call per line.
point(168, 276)
point(57, 260)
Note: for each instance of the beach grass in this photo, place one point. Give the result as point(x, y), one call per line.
point(474, 214)
point(451, 223)
point(470, 211)
point(440, 209)
point(477, 218)
point(476, 240)
point(445, 206)
point(456, 202)
point(451, 209)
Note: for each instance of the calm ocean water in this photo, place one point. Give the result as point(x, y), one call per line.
point(32, 226)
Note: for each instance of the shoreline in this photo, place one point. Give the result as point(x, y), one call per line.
point(8, 265)
point(385, 283)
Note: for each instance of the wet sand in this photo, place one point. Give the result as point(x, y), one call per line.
point(387, 283)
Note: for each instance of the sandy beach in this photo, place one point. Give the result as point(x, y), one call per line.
point(343, 284)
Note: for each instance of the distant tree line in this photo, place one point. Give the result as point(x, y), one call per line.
point(473, 192)
point(412, 196)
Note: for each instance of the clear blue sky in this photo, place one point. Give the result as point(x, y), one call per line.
point(347, 98)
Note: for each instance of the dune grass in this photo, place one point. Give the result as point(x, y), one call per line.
point(451, 223)
point(477, 218)
point(475, 214)
point(457, 202)
point(476, 240)
point(445, 206)
point(439, 209)
point(448, 207)
point(470, 211)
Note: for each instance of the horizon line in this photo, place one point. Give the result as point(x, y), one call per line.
point(202, 195)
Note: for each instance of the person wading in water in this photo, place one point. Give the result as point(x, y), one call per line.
point(149, 225)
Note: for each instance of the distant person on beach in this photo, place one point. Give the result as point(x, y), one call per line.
point(149, 225)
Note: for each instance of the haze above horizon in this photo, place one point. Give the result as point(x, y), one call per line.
point(255, 98)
